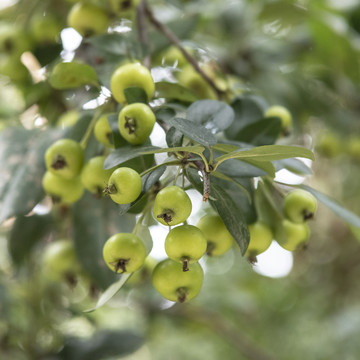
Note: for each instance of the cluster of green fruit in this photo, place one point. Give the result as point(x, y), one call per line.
point(298, 207)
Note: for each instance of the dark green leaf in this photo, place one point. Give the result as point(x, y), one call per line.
point(348, 216)
point(135, 94)
point(230, 213)
point(238, 168)
point(262, 132)
point(174, 91)
point(125, 153)
point(72, 75)
point(215, 115)
point(95, 220)
point(165, 113)
point(103, 344)
point(22, 167)
point(25, 233)
point(174, 137)
point(247, 110)
point(194, 131)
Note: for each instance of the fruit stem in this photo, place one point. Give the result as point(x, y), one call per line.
point(174, 40)
point(185, 263)
point(90, 129)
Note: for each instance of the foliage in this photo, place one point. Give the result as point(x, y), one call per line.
point(217, 67)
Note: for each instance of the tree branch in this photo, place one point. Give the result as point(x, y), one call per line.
point(174, 40)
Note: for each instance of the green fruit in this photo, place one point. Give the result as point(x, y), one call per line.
point(62, 190)
point(260, 239)
point(299, 206)
point(93, 175)
point(174, 284)
point(68, 119)
point(329, 145)
point(45, 29)
point(13, 41)
point(124, 185)
point(284, 115)
point(103, 132)
point(59, 260)
point(124, 253)
point(131, 75)
point(88, 19)
point(353, 148)
point(185, 244)
point(172, 206)
point(296, 235)
point(191, 79)
point(65, 158)
point(13, 68)
point(136, 122)
point(218, 238)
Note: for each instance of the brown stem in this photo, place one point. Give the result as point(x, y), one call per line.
point(223, 328)
point(174, 40)
point(143, 35)
point(185, 264)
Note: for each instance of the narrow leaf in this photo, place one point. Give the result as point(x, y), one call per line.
point(268, 153)
point(130, 152)
point(110, 292)
point(194, 131)
point(348, 216)
point(135, 94)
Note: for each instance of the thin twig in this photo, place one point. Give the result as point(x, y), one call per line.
point(223, 328)
point(174, 40)
point(143, 35)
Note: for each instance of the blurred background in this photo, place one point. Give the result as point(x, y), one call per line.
point(301, 54)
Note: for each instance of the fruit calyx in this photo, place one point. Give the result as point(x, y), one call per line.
point(120, 265)
point(210, 248)
point(130, 124)
point(110, 189)
point(181, 294)
point(307, 215)
point(59, 163)
point(167, 215)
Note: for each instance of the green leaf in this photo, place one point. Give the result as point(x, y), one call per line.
point(268, 212)
point(109, 43)
point(174, 91)
point(25, 233)
point(247, 110)
point(227, 178)
point(294, 165)
point(22, 167)
point(194, 131)
point(110, 292)
point(143, 233)
point(135, 94)
point(215, 115)
point(231, 216)
point(174, 137)
point(348, 216)
point(268, 153)
point(71, 75)
point(262, 132)
point(238, 168)
point(125, 153)
point(230, 213)
point(94, 221)
point(104, 344)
